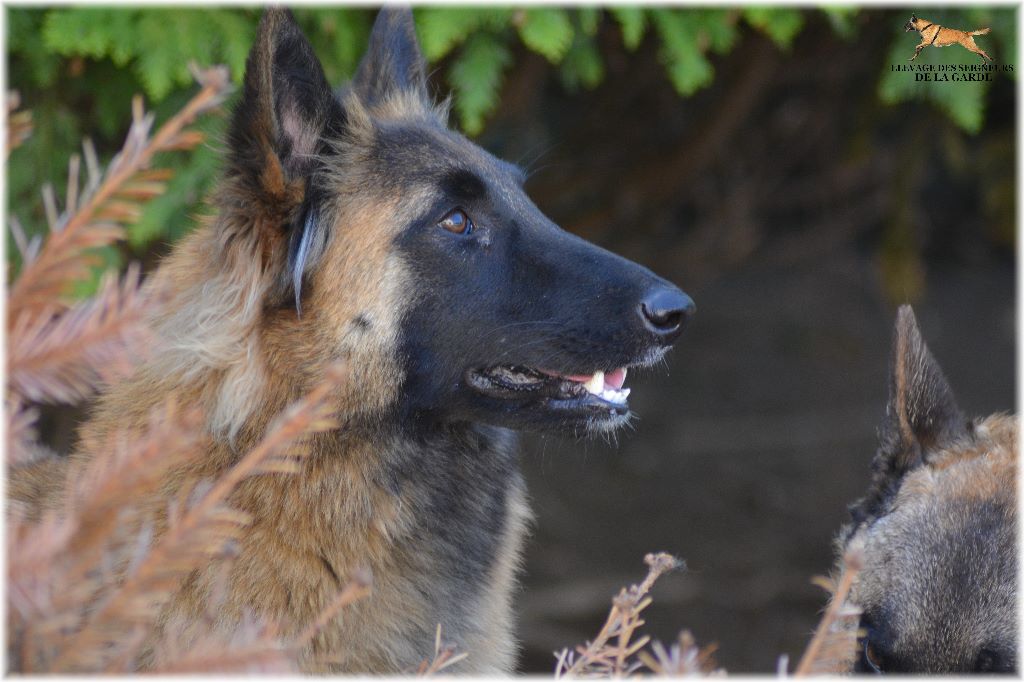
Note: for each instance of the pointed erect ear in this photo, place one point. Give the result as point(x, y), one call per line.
point(922, 413)
point(921, 416)
point(392, 64)
point(285, 110)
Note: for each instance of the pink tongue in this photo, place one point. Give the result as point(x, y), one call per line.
point(615, 378)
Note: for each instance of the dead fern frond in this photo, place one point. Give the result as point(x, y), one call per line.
point(682, 659)
point(96, 216)
point(58, 565)
point(196, 534)
point(65, 358)
point(132, 467)
point(19, 123)
point(615, 652)
point(833, 648)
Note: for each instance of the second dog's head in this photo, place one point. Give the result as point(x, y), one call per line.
point(937, 530)
point(403, 247)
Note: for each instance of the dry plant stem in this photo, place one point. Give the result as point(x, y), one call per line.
point(64, 358)
point(96, 221)
point(816, 648)
point(622, 620)
point(57, 564)
point(444, 657)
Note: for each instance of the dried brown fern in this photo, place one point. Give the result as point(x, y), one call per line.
point(88, 575)
point(195, 535)
point(682, 659)
point(444, 657)
point(97, 216)
point(65, 358)
point(833, 648)
point(615, 652)
point(59, 564)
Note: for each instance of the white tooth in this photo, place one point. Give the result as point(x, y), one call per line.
point(596, 383)
point(613, 396)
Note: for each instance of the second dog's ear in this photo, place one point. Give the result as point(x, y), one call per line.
point(921, 416)
point(392, 64)
point(285, 109)
point(922, 413)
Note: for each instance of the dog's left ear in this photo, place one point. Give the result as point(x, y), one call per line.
point(280, 130)
point(393, 65)
point(922, 413)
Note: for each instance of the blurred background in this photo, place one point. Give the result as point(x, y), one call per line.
point(768, 160)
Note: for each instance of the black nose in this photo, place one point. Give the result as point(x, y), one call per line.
point(665, 311)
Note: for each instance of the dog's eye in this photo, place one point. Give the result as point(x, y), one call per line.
point(871, 658)
point(457, 221)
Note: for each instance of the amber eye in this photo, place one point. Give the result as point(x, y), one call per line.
point(457, 221)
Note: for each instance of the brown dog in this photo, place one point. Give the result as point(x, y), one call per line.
point(933, 35)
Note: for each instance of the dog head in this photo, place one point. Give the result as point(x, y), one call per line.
point(937, 529)
point(913, 24)
point(405, 248)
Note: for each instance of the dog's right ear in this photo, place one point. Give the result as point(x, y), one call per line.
point(393, 65)
point(285, 112)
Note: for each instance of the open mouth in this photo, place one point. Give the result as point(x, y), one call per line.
point(602, 388)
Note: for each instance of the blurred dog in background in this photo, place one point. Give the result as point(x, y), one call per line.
point(937, 529)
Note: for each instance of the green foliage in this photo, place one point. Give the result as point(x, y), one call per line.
point(78, 67)
point(779, 24)
point(582, 65)
point(841, 18)
point(442, 29)
point(962, 101)
point(158, 43)
point(633, 21)
point(547, 31)
point(476, 78)
point(687, 66)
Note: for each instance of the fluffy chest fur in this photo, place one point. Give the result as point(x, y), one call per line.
point(438, 524)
